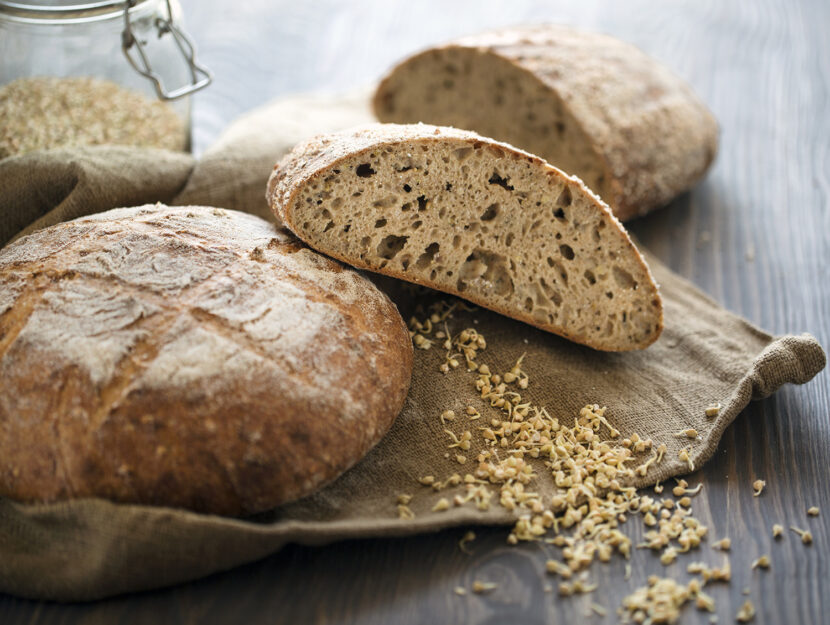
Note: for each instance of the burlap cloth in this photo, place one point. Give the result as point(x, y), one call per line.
point(89, 549)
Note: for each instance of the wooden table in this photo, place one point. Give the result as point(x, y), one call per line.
point(755, 235)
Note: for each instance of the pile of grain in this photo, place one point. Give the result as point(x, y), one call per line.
point(591, 464)
point(46, 113)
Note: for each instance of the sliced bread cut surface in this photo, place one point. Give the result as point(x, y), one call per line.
point(587, 103)
point(473, 217)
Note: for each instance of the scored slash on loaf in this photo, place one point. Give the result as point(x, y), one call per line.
point(587, 103)
point(190, 357)
point(470, 216)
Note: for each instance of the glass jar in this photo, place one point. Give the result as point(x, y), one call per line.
point(113, 72)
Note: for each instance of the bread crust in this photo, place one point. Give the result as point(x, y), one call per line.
point(311, 161)
point(653, 137)
point(189, 357)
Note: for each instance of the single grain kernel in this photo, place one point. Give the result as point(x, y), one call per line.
point(746, 613)
point(762, 562)
point(758, 486)
point(482, 587)
point(469, 537)
point(806, 537)
point(441, 505)
point(723, 544)
point(447, 415)
point(690, 433)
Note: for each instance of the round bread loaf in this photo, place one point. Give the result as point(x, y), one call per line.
point(191, 357)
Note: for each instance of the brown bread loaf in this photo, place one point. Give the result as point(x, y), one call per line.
point(587, 103)
point(191, 357)
point(474, 217)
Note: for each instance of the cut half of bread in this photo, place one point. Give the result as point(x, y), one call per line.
point(589, 104)
point(474, 217)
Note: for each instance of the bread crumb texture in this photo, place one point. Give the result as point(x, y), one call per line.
point(476, 218)
point(192, 357)
point(592, 105)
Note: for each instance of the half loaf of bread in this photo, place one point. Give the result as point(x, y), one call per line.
point(190, 357)
point(474, 217)
point(587, 103)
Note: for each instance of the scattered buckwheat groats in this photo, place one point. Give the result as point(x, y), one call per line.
point(509, 441)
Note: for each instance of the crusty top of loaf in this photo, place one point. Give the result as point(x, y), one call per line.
point(641, 118)
point(217, 325)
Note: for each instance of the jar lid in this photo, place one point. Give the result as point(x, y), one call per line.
point(64, 11)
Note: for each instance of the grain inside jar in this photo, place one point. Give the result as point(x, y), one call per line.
point(44, 113)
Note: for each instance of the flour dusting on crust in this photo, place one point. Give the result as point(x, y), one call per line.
point(190, 356)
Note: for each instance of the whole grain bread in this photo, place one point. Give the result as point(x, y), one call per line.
point(454, 211)
point(191, 357)
point(591, 105)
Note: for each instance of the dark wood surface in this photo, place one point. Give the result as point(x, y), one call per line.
point(755, 235)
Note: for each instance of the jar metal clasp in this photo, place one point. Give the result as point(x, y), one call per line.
point(133, 49)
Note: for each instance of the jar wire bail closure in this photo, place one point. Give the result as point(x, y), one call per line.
point(133, 49)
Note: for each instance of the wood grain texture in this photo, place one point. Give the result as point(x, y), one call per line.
point(755, 235)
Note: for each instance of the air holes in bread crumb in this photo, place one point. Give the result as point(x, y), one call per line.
point(462, 153)
point(597, 228)
point(491, 212)
point(559, 269)
point(560, 214)
point(390, 245)
point(551, 294)
point(329, 226)
point(567, 251)
point(590, 277)
point(417, 224)
point(380, 223)
point(386, 202)
point(407, 188)
point(508, 240)
point(502, 182)
point(364, 170)
point(422, 203)
point(486, 271)
point(427, 257)
point(623, 278)
point(565, 198)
